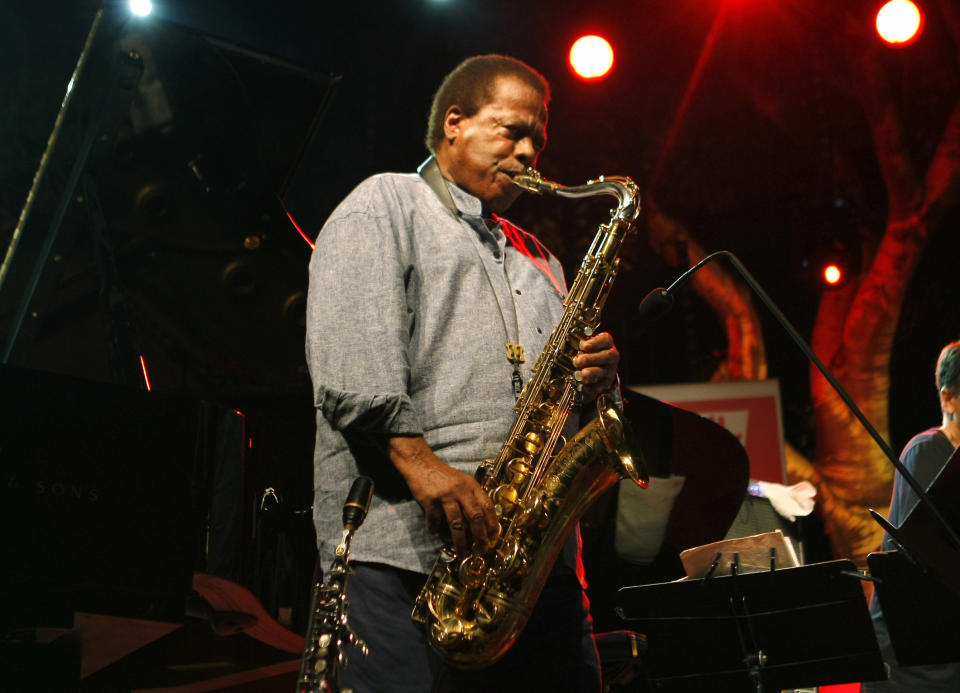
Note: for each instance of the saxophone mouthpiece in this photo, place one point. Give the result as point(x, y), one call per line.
point(530, 180)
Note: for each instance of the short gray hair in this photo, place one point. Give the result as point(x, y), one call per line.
point(948, 367)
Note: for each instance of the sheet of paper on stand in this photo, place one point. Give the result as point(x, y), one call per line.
point(752, 554)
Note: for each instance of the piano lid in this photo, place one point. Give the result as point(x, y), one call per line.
point(157, 227)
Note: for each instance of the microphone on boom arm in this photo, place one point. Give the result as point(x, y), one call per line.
point(659, 301)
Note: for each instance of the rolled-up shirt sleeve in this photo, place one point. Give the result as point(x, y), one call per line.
point(358, 321)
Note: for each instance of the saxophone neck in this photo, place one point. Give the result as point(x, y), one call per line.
point(621, 187)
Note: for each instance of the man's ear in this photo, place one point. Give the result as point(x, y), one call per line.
point(451, 122)
point(947, 401)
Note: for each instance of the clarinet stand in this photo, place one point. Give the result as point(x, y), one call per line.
point(757, 632)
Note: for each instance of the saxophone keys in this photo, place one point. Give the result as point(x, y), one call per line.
point(472, 571)
point(484, 471)
point(555, 389)
point(486, 614)
point(495, 536)
point(535, 514)
point(532, 442)
point(356, 641)
point(449, 630)
point(519, 470)
point(508, 559)
point(506, 497)
point(576, 382)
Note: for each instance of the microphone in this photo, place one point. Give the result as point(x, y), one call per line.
point(659, 301)
point(358, 503)
point(655, 304)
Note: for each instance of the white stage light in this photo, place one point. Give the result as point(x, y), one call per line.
point(141, 8)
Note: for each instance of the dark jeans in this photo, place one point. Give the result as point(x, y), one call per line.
point(554, 654)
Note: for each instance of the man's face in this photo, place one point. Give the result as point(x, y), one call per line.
point(481, 153)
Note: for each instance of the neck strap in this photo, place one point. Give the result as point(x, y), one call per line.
point(430, 172)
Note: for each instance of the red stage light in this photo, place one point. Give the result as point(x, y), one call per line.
point(591, 57)
point(832, 274)
point(899, 22)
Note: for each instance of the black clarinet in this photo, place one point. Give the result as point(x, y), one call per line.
point(328, 629)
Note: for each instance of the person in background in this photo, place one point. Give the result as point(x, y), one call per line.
point(924, 456)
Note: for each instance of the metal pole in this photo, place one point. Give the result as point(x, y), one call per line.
point(41, 171)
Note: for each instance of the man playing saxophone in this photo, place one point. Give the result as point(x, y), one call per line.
point(426, 310)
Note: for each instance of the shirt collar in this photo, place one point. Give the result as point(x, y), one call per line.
point(466, 203)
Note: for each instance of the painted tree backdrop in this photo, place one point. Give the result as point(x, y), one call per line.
point(856, 322)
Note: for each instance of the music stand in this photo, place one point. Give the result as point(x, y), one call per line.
point(791, 628)
point(924, 537)
point(915, 607)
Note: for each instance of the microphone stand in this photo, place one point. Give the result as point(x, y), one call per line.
point(659, 301)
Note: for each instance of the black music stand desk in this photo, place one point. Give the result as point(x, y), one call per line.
point(920, 611)
point(924, 538)
point(768, 631)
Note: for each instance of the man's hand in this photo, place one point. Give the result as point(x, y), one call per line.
point(445, 493)
point(598, 363)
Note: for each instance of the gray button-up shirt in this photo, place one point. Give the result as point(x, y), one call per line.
point(409, 311)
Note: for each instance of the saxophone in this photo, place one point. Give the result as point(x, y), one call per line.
point(475, 605)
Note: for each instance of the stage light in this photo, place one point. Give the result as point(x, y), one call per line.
point(832, 274)
point(591, 57)
point(899, 22)
point(141, 8)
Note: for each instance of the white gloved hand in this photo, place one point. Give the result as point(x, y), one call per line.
point(790, 501)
